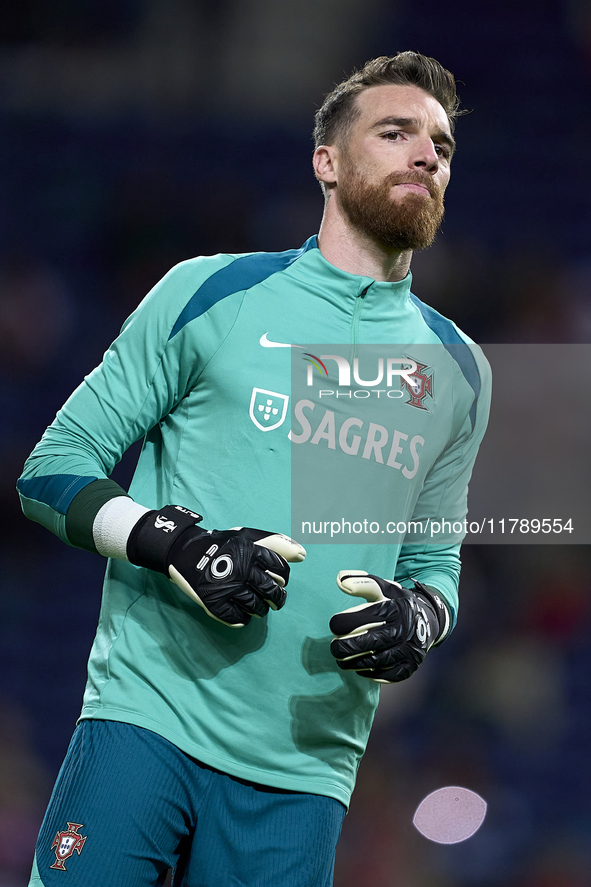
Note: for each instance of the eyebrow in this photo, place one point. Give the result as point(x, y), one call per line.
point(440, 136)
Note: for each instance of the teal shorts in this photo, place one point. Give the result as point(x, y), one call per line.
point(128, 806)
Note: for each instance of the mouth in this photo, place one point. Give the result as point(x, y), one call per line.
point(415, 187)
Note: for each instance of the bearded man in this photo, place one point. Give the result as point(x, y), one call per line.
point(222, 746)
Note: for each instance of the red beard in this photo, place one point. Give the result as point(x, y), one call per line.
point(410, 223)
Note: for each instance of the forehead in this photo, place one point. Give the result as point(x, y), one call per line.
point(393, 100)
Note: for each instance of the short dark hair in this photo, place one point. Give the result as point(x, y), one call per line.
point(339, 111)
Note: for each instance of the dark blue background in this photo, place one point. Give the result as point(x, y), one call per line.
point(101, 195)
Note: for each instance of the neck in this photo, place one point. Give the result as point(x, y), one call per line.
point(357, 253)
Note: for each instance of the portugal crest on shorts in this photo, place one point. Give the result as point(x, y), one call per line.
point(268, 408)
point(418, 385)
point(65, 843)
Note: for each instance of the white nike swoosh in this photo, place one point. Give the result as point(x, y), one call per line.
point(267, 343)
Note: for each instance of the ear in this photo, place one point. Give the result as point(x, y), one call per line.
point(326, 162)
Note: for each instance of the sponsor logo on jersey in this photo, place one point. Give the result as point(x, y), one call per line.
point(267, 343)
point(268, 409)
point(419, 385)
point(355, 436)
point(65, 843)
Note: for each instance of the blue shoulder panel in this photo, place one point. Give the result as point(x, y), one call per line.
point(56, 490)
point(241, 274)
point(455, 346)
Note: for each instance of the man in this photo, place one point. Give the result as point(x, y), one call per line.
point(218, 744)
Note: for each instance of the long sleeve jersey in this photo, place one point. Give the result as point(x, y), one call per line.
point(198, 372)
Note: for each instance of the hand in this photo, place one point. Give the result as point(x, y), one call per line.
point(233, 574)
point(388, 637)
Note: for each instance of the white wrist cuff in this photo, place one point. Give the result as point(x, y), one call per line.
point(113, 525)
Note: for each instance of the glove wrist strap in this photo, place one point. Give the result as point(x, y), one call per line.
point(153, 536)
point(439, 608)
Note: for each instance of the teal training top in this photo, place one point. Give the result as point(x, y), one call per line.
point(266, 703)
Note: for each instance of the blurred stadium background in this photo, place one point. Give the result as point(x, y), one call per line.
point(136, 133)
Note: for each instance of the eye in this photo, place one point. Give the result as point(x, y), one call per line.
point(442, 150)
point(392, 136)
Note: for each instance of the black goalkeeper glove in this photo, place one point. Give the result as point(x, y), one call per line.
point(387, 638)
point(233, 574)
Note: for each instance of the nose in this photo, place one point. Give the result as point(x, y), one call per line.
point(425, 156)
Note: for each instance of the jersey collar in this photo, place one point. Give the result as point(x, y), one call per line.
point(353, 284)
